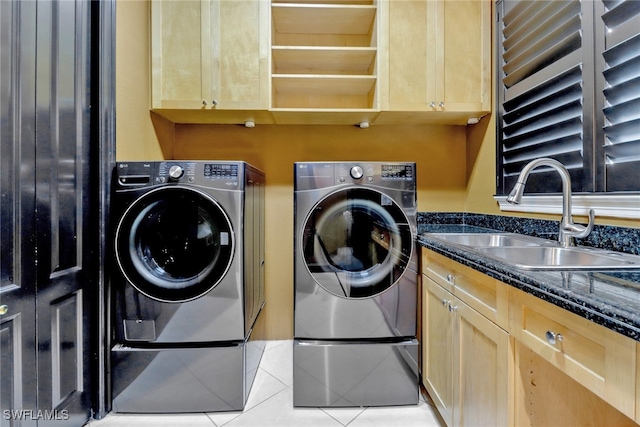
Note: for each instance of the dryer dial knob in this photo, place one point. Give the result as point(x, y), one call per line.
point(356, 172)
point(176, 172)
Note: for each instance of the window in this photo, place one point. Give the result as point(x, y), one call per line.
point(570, 89)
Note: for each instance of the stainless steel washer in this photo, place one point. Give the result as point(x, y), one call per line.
point(187, 284)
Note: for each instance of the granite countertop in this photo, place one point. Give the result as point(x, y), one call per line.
point(608, 298)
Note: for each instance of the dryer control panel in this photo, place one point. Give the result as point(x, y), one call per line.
point(390, 175)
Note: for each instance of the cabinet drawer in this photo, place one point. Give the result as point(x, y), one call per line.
point(600, 359)
point(439, 268)
point(484, 294)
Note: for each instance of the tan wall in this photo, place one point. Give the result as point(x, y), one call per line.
point(438, 151)
point(135, 135)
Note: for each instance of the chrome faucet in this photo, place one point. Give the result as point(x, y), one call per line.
point(568, 230)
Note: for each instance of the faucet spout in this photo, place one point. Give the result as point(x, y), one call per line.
point(568, 230)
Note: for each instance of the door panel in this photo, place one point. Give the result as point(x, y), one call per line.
point(46, 213)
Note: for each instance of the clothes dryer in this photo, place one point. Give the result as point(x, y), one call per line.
point(188, 284)
point(355, 284)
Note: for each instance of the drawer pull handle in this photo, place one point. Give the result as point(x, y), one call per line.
point(453, 308)
point(553, 338)
point(450, 278)
point(445, 301)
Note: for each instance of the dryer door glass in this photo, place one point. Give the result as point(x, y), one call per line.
point(174, 244)
point(357, 243)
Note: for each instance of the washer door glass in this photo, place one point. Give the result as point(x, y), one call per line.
point(174, 244)
point(356, 243)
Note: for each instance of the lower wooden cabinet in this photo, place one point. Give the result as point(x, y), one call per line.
point(467, 368)
point(437, 346)
point(546, 396)
point(637, 417)
point(601, 360)
point(493, 355)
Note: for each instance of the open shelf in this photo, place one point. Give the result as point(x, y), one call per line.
point(360, 2)
point(324, 54)
point(295, 18)
point(323, 91)
point(323, 60)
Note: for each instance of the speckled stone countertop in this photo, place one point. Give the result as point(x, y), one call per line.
point(611, 299)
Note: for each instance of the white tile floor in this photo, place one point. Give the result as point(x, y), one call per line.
point(271, 404)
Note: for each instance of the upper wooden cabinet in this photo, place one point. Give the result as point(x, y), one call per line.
point(321, 61)
point(210, 60)
point(439, 61)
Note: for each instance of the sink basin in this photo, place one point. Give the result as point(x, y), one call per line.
point(534, 253)
point(491, 239)
point(560, 258)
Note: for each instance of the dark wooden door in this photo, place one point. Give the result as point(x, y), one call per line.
point(48, 274)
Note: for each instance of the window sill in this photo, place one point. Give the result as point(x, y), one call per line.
point(613, 206)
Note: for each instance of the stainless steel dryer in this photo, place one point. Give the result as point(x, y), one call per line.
point(187, 285)
point(355, 284)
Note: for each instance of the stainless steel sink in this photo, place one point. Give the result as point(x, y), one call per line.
point(533, 253)
point(491, 239)
point(561, 258)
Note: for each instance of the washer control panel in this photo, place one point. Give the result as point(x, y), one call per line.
point(397, 172)
point(224, 171)
point(173, 172)
point(215, 175)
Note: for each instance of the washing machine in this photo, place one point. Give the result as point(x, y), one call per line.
point(355, 280)
point(187, 285)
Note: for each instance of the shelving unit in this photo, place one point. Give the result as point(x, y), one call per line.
point(324, 55)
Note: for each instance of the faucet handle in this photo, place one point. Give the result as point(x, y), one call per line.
point(581, 231)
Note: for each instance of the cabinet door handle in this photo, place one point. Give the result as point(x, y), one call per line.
point(445, 301)
point(453, 308)
point(441, 104)
point(450, 278)
point(214, 102)
point(553, 338)
point(4, 309)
